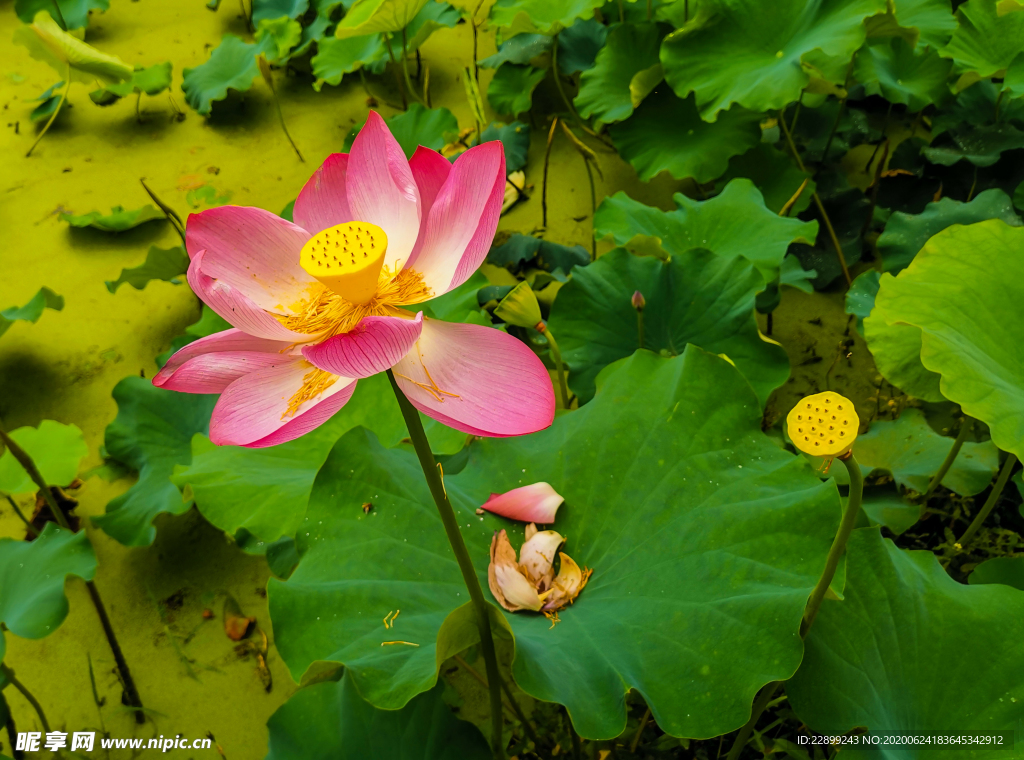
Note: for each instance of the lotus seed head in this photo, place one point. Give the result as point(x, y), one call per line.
point(824, 425)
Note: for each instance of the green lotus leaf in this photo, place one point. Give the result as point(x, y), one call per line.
point(982, 146)
point(920, 22)
point(33, 604)
point(48, 103)
point(579, 44)
point(67, 54)
point(774, 174)
point(414, 127)
point(1009, 571)
point(1013, 80)
point(793, 274)
point(963, 305)
point(521, 49)
point(167, 264)
point(373, 16)
point(902, 74)
point(977, 106)
point(896, 349)
point(277, 37)
point(152, 81)
point(56, 449)
point(912, 452)
point(316, 30)
point(752, 53)
point(152, 433)
point(906, 234)
point(231, 66)
point(695, 297)
point(118, 220)
point(762, 239)
point(518, 16)
point(986, 40)
point(432, 16)
point(605, 89)
point(667, 134)
point(334, 58)
point(884, 505)
point(549, 256)
point(31, 311)
point(511, 89)
point(721, 547)
point(265, 491)
point(269, 10)
point(330, 721)
point(870, 659)
point(516, 139)
point(74, 12)
point(860, 298)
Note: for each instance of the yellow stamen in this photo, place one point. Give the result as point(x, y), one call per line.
point(347, 258)
point(407, 643)
point(314, 383)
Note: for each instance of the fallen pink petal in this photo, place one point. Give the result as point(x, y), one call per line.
point(535, 503)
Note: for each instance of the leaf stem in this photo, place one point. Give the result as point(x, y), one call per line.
point(559, 366)
point(565, 98)
point(60, 104)
point(510, 704)
point(990, 502)
point(817, 201)
point(12, 730)
point(169, 212)
point(639, 731)
point(451, 526)
point(14, 505)
point(544, 185)
point(394, 67)
point(9, 675)
point(131, 692)
point(835, 553)
point(640, 328)
point(268, 77)
point(405, 69)
point(965, 429)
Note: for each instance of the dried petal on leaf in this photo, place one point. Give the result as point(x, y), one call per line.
point(530, 584)
point(537, 558)
point(510, 587)
point(567, 585)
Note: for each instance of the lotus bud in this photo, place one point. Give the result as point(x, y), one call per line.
point(535, 503)
point(638, 300)
point(823, 425)
point(520, 307)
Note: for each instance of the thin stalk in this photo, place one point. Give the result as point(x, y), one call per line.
point(817, 595)
point(544, 184)
point(990, 502)
point(974, 184)
point(268, 77)
point(648, 10)
point(451, 526)
point(640, 729)
point(784, 211)
point(622, 13)
point(965, 429)
point(640, 328)
point(559, 367)
point(60, 104)
point(64, 24)
point(476, 68)
point(12, 730)
point(565, 98)
point(885, 127)
point(138, 108)
point(999, 99)
point(405, 69)
point(593, 209)
point(14, 505)
point(577, 750)
point(874, 188)
point(9, 675)
point(817, 201)
point(796, 113)
point(839, 115)
point(510, 701)
point(169, 212)
point(132, 693)
point(398, 76)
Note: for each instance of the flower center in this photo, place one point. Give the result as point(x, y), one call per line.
point(347, 258)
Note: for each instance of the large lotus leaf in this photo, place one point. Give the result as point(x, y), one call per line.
point(900, 73)
point(265, 491)
point(32, 310)
point(414, 127)
point(231, 66)
point(511, 88)
point(963, 294)
point(896, 349)
point(268, 10)
point(334, 58)
point(277, 37)
point(906, 234)
point(775, 175)
point(1008, 571)
point(67, 54)
point(167, 264)
point(372, 16)
point(932, 21)
point(860, 298)
point(523, 48)
point(750, 52)
point(330, 721)
point(152, 433)
point(667, 134)
point(74, 12)
point(694, 519)
point(516, 139)
point(517, 16)
point(871, 660)
point(762, 238)
point(604, 89)
point(987, 39)
point(909, 449)
point(432, 16)
point(56, 450)
point(32, 601)
point(579, 45)
point(695, 297)
point(118, 220)
point(982, 146)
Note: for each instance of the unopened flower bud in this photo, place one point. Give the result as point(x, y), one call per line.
point(638, 300)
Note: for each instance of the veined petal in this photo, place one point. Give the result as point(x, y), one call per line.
point(537, 557)
point(372, 346)
point(510, 588)
point(477, 379)
point(535, 503)
point(235, 307)
point(460, 226)
point(430, 170)
point(252, 411)
point(210, 364)
point(381, 189)
point(323, 201)
point(254, 251)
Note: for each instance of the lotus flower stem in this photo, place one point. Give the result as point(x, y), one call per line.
point(965, 428)
point(817, 595)
point(12, 730)
point(169, 212)
point(640, 730)
point(60, 104)
point(559, 366)
point(132, 693)
point(9, 675)
point(990, 502)
point(544, 185)
point(458, 544)
point(268, 77)
point(510, 704)
point(817, 201)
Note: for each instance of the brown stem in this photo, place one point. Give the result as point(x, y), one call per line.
point(9, 675)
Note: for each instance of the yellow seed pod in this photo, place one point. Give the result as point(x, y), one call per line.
point(824, 425)
point(347, 258)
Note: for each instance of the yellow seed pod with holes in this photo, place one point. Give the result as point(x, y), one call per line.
point(823, 425)
point(347, 258)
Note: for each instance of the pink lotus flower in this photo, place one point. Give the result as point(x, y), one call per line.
point(320, 303)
